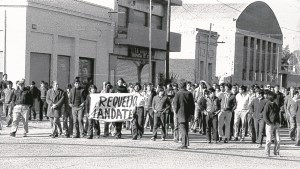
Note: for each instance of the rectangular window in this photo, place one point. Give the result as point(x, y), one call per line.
point(1, 61)
point(122, 20)
point(257, 78)
point(263, 58)
point(140, 18)
point(86, 69)
point(201, 70)
point(156, 22)
point(251, 59)
point(245, 52)
point(274, 57)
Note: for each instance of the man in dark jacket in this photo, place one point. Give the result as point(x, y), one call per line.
point(212, 108)
point(184, 107)
point(160, 105)
point(36, 95)
point(76, 101)
point(55, 100)
point(256, 108)
point(119, 89)
point(272, 119)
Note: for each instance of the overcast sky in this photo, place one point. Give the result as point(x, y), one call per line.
point(286, 11)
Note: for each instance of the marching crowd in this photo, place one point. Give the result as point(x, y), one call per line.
point(223, 112)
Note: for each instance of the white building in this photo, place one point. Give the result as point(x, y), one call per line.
point(55, 40)
point(251, 34)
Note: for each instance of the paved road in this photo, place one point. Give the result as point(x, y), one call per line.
point(38, 150)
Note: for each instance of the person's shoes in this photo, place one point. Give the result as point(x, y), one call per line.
point(153, 139)
point(175, 140)
point(163, 139)
point(76, 136)
point(259, 146)
point(220, 139)
point(204, 133)
point(140, 137)
point(235, 139)
point(297, 144)
point(24, 134)
point(242, 139)
point(209, 142)
point(200, 132)
point(134, 138)
point(193, 131)
point(97, 137)
point(151, 130)
point(8, 126)
point(182, 147)
point(13, 134)
point(293, 138)
point(67, 136)
point(216, 142)
point(89, 137)
point(105, 135)
point(225, 140)
point(267, 154)
point(52, 136)
point(118, 137)
point(277, 154)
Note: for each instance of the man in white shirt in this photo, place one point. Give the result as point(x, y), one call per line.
point(241, 111)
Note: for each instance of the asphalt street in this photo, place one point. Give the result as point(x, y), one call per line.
point(38, 150)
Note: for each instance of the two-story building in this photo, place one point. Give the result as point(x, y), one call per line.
point(130, 59)
point(55, 40)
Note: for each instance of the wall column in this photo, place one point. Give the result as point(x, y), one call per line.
point(260, 60)
point(266, 61)
point(248, 57)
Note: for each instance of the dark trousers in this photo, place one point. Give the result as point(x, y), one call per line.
point(204, 124)
point(93, 124)
point(8, 111)
point(86, 124)
point(68, 122)
point(293, 127)
point(77, 113)
point(212, 125)
point(118, 126)
point(184, 129)
point(259, 125)
point(55, 125)
point(159, 118)
point(251, 129)
point(43, 106)
point(138, 122)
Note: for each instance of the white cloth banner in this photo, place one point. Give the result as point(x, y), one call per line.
point(112, 107)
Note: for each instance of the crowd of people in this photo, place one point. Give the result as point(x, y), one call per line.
point(223, 112)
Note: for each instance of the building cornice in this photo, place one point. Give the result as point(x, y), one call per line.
point(70, 12)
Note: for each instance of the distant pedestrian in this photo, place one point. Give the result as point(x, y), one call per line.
point(23, 100)
point(43, 106)
point(93, 124)
point(67, 114)
point(160, 106)
point(35, 92)
point(77, 101)
point(55, 100)
point(7, 99)
point(138, 115)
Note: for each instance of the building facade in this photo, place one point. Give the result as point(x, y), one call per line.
point(251, 34)
point(130, 59)
point(55, 40)
point(205, 55)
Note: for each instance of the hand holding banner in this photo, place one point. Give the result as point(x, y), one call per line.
point(112, 107)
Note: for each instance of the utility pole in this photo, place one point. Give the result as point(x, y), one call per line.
point(167, 63)
point(207, 53)
point(150, 42)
